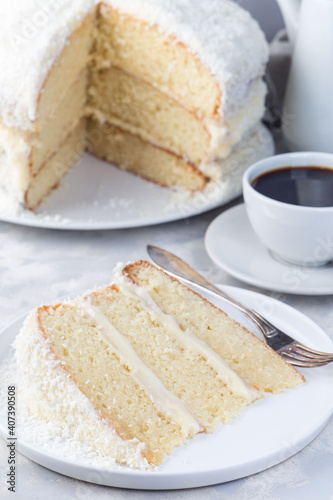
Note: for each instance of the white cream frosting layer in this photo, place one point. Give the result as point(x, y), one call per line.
point(34, 32)
point(15, 150)
point(165, 401)
point(186, 338)
point(227, 135)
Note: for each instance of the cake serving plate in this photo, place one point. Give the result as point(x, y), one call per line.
point(268, 432)
point(95, 195)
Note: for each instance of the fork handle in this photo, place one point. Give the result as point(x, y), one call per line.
point(177, 268)
point(264, 326)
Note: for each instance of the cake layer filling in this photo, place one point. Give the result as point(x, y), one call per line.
point(225, 136)
point(166, 402)
point(186, 338)
point(130, 152)
point(210, 389)
point(248, 356)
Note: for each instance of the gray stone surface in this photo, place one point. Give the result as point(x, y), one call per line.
point(37, 266)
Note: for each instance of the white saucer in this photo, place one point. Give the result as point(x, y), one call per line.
point(232, 244)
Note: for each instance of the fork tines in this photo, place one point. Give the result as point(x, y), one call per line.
point(303, 356)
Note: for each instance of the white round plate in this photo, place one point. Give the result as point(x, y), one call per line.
point(96, 195)
point(266, 433)
point(232, 244)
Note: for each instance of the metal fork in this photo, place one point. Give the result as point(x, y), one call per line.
point(288, 348)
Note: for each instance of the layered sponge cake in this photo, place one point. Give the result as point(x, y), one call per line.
point(161, 89)
point(137, 368)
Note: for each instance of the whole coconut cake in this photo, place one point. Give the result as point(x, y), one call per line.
point(164, 89)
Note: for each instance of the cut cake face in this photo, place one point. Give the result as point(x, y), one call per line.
point(137, 368)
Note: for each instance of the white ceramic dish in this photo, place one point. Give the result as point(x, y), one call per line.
point(265, 434)
point(98, 196)
point(232, 244)
point(297, 234)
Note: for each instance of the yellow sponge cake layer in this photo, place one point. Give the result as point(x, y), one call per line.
point(137, 106)
point(51, 172)
point(57, 128)
point(139, 48)
point(130, 152)
point(65, 70)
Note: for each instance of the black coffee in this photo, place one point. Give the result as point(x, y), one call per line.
point(305, 186)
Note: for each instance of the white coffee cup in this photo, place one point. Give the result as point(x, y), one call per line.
point(299, 235)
